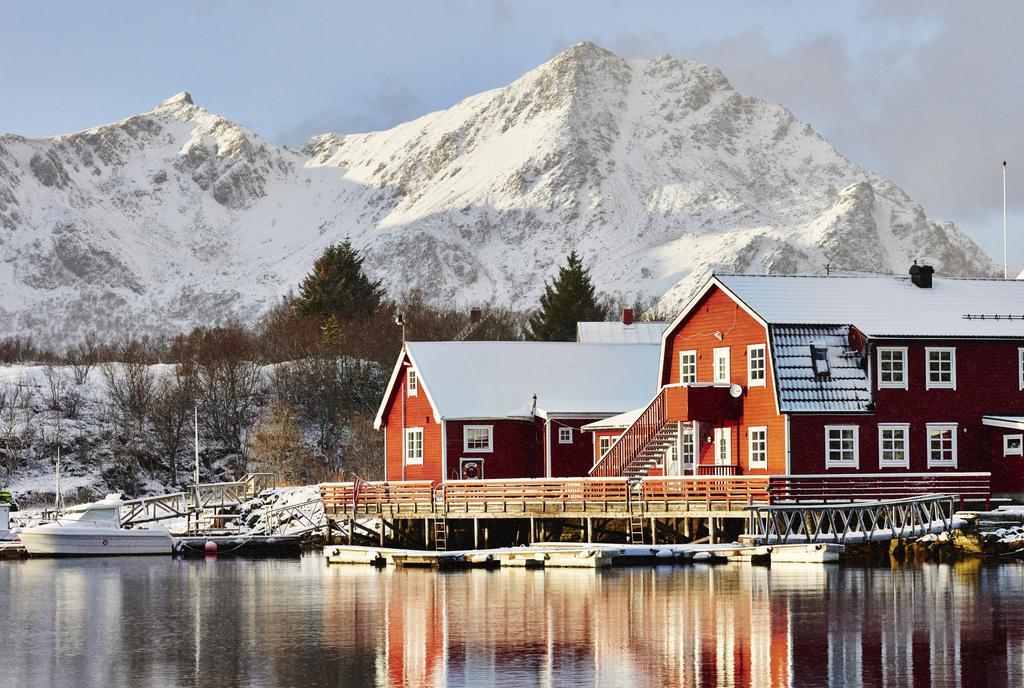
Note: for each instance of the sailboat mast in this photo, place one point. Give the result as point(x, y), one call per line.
point(196, 426)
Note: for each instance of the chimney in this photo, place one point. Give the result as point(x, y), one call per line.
point(474, 315)
point(921, 275)
point(627, 316)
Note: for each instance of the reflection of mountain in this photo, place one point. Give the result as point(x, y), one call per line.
point(656, 171)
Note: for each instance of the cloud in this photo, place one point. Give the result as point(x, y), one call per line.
point(392, 103)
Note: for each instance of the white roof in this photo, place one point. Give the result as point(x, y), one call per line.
point(883, 306)
point(615, 332)
point(621, 420)
point(465, 380)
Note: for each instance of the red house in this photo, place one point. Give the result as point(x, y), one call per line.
point(458, 410)
point(789, 375)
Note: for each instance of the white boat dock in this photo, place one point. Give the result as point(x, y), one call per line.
point(586, 555)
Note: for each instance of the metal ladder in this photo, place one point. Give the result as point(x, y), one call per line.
point(636, 531)
point(440, 535)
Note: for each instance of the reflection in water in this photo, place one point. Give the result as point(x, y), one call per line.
point(234, 622)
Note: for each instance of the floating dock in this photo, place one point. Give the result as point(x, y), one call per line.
point(586, 556)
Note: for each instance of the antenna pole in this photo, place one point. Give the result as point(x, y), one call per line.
point(196, 418)
point(1006, 272)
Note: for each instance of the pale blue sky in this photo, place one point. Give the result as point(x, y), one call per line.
point(930, 95)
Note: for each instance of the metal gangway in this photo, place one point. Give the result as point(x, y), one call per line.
point(205, 500)
point(849, 522)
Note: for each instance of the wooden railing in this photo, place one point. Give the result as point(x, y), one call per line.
point(565, 494)
point(717, 469)
point(708, 493)
point(376, 497)
point(633, 440)
point(973, 487)
point(614, 495)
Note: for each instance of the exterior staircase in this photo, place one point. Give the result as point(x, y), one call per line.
point(652, 452)
point(645, 442)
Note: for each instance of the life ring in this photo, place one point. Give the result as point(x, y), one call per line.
point(105, 542)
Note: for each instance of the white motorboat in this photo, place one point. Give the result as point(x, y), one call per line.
point(93, 530)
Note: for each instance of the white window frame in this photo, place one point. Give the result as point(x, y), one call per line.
point(882, 462)
point(763, 430)
point(723, 440)
point(952, 427)
point(833, 463)
point(688, 440)
point(901, 384)
point(683, 356)
point(763, 380)
point(1008, 451)
point(412, 382)
point(477, 450)
point(928, 351)
point(562, 430)
point(411, 460)
point(721, 353)
point(1020, 367)
point(602, 447)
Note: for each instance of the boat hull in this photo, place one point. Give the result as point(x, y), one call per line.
point(48, 543)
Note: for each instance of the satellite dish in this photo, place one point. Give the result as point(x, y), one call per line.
point(855, 338)
point(735, 391)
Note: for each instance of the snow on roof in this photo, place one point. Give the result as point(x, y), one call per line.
point(844, 389)
point(615, 332)
point(616, 422)
point(886, 306)
point(1012, 422)
point(499, 379)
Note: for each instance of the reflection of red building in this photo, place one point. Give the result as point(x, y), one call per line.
point(735, 625)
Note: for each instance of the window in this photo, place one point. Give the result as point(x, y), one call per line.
point(412, 385)
point(756, 366)
point(605, 443)
point(565, 435)
point(942, 444)
point(723, 447)
point(478, 438)
point(892, 445)
point(722, 364)
point(1013, 445)
point(941, 368)
point(689, 447)
point(1020, 367)
point(414, 445)
point(687, 367)
point(892, 367)
point(841, 446)
point(672, 459)
point(757, 439)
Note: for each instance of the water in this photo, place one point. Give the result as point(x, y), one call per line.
point(160, 622)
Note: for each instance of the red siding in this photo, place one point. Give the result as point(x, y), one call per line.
point(575, 459)
point(717, 312)
point(517, 451)
point(417, 414)
point(986, 384)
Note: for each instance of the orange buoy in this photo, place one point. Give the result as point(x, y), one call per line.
point(210, 546)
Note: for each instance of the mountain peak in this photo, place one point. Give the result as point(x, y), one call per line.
point(181, 98)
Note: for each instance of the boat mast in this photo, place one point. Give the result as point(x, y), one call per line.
point(196, 421)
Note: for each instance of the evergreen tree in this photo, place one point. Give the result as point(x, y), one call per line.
point(337, 288)
point(567, 301)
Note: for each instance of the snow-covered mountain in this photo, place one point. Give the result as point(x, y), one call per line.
point(656, 171)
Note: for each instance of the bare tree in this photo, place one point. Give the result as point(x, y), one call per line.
point(130, 381)
point(17, 432)
point(276, 446)
point(56, 382)
point(169, 413)
point(83, 358)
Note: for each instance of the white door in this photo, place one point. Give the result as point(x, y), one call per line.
point(721, 358)
point(723, 447)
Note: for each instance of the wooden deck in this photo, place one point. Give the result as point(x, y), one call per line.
point(688, 497)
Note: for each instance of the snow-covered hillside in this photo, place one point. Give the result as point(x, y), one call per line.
point(656, 171)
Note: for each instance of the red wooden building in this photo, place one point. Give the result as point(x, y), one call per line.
point(457, 410)
point(786, 375)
